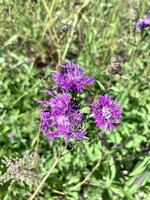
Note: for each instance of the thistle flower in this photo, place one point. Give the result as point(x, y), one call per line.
point(61, 118)
point(143, 23)
point(71, 77)
point(106, 112)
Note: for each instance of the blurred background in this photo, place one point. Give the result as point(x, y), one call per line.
point(35, 37)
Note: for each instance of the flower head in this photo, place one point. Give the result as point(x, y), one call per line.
point(61, 118)
point(71, 77)
point(60, 104)
point(106, 112)
point(142, 23)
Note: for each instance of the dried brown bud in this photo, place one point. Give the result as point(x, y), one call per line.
point(114, 68)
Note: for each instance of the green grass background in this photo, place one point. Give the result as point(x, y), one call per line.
point(32, 44)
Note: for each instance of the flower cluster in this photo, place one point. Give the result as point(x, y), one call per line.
point(106, 111)
point(143, 23)
point(61, 116)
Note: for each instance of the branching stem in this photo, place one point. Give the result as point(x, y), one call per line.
point(57, 159)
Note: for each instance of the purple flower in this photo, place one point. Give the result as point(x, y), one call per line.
point(60, 104)
point(61, 118)
point(107, 112)
point(142, 23)
point(71, 77)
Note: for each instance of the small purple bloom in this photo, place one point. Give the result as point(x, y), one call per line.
point(107, 112)
point(142, 23)
point(60, 118)
point(71, 77)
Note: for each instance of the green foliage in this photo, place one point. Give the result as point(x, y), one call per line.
point(32, 43)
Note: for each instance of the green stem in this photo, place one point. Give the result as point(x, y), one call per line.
point(47, 175)
point(49, 19)
point(92, 171)
point(9, 191)
point(87, 177)
point(76, 16)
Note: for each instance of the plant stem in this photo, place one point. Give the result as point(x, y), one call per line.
point(71, 149)
point(92, 171)
point(87, 177)
point(58, 192)
point(76, 16)
point(9, 191)
point(49, 19)
point(47, 175)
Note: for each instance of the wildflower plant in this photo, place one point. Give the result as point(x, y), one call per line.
point(61, 114)
point(80, 116)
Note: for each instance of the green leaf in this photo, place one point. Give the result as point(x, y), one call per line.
point(141, 180)
point(141, 167)
point(10, 40)
point(85, 110)
point(100, 85)
point(115, 89)
point(117, 191)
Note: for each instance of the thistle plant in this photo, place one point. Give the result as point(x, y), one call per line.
point(61, 115)
point(86, 148)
